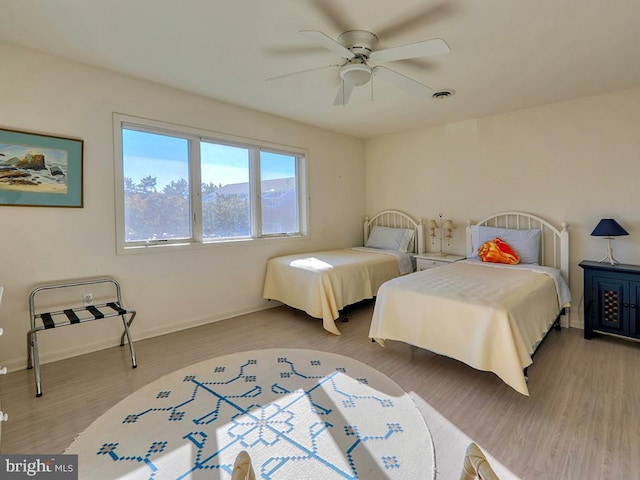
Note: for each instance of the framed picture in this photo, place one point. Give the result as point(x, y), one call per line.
point(40, 170)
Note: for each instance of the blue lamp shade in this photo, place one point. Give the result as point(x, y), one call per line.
point(608, 227)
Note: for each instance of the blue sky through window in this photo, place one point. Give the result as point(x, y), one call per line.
point(167, 159)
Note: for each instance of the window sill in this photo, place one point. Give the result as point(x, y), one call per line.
point(184, 246)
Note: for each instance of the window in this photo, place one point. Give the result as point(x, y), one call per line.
point(182, 186)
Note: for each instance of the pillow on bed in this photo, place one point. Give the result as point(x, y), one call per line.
point(497, 251)
point(526, 243)
point(389, 238)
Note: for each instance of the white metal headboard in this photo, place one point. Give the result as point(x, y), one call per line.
point(554, 243)
point(396, 219)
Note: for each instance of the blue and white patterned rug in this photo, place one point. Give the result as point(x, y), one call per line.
point(301, 414)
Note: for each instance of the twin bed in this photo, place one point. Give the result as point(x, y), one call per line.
point(490, 316)
point(323, 283)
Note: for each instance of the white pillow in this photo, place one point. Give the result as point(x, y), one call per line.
point(526, 243)
point(389, 238)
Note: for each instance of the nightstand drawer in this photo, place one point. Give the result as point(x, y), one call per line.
point(424, 264)
point(426, 261)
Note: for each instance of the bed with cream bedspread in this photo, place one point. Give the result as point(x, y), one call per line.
point(323, 283)
point(489, 316)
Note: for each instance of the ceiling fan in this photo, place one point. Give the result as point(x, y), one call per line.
point(360, 59)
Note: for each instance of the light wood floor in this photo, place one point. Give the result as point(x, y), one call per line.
point(582, 420)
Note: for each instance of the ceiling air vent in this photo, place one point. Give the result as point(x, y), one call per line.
point(442, 94)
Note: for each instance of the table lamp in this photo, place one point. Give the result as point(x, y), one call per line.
point(446, 228)
point(609, 228)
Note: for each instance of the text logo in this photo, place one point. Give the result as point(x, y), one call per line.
point(39, 467)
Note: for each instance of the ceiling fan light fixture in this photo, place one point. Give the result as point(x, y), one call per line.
point(357, 47)
point(356, 73)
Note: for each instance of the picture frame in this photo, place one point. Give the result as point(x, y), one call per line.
point(38, 170)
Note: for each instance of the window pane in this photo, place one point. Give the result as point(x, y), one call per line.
point(226, 199)
point(279, 193)
point(156, 186)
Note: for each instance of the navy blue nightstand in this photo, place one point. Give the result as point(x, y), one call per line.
point(611, 299)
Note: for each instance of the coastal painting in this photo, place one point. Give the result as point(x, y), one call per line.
point(40, 170)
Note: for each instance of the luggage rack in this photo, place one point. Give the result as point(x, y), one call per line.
point(74, 316)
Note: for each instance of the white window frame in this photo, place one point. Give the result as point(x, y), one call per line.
point(195, 136)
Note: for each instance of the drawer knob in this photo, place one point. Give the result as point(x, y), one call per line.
point(3, 416)
point(3, 371)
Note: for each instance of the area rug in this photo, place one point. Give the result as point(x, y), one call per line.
point(300, 414)
point(451, 443)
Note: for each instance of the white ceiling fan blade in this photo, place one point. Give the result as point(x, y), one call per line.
point(327, 42)
point(278, 77)
point(428, 48)
point(418, 18)
point(333, 13)
point(344, 93)
point(405, 83)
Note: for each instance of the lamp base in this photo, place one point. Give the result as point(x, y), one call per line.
point(610, 258)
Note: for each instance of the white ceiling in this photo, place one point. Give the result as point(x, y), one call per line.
point(505, 54)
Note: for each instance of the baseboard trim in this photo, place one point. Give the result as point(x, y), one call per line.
point(17, 364)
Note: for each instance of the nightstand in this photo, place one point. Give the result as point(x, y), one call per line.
point(611, 299)
point(432, 260)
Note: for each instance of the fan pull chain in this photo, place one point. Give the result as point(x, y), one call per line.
point(371, 88)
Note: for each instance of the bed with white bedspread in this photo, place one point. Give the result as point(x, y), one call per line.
point(323, 283)
point(490, 316)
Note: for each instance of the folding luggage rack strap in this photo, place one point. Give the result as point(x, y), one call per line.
point(74, 316)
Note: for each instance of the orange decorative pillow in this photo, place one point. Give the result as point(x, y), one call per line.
point(497, 251)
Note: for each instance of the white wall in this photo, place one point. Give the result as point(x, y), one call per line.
point(576, 162)
point(171, 290)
